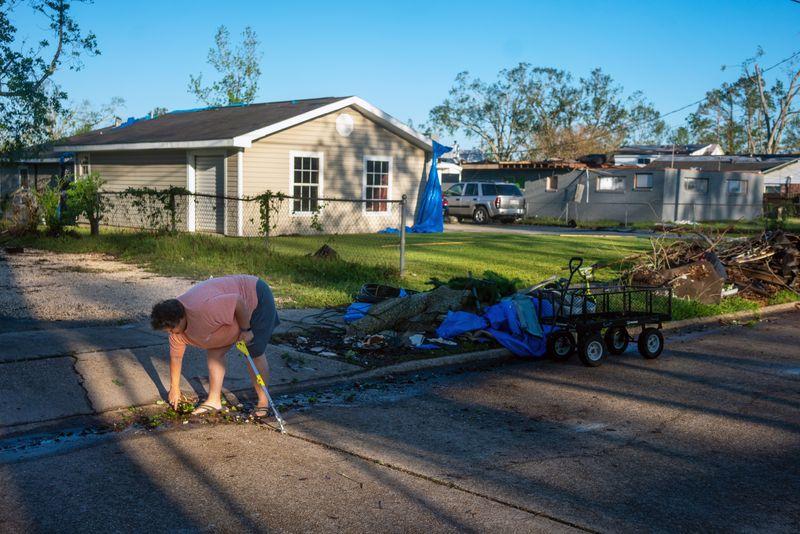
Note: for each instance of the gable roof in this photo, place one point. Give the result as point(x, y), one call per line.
point(228, 126)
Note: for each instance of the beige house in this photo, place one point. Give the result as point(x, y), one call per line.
point(315, 151)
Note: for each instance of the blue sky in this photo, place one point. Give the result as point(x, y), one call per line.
point(403, 56)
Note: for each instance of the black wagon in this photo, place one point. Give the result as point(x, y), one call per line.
point(594, 318)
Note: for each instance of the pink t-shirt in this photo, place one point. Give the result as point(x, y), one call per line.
point(210, 308)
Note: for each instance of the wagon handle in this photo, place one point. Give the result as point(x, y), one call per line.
point(574, 265)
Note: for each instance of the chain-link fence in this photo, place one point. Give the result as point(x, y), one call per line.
point(350, 226)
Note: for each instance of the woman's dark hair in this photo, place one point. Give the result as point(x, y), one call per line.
point(166, 314)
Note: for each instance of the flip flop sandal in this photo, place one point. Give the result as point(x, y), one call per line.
point(260, 412)
point(205, 409)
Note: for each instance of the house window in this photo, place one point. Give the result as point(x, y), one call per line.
point(737, 187)
point(551, 183)
point(377, 183)
point(697, 185)
point(642, 161)
point(83, 166)
point(773, 189)
point(450, 178)
point(23, 177)
point(306, 182)
point(643, 182)
point(611, 184)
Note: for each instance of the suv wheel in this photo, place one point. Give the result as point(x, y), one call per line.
point(480, 215)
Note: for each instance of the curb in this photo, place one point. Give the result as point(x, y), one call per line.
point(717, 320)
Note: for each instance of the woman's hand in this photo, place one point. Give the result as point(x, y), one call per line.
point(246, 336)
point(174, 397)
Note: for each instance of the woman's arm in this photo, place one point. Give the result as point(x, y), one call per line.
point(175, 365)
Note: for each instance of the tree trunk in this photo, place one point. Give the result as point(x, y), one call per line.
point(94, 226)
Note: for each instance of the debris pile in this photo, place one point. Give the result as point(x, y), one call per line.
point(709, 267)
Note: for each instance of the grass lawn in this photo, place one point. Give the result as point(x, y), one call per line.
point(755, 226)
point(299, 281)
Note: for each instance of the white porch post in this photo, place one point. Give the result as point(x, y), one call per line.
point(240, 192)
point(190, 185)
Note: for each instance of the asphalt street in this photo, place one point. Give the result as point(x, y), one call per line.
point(706, 438)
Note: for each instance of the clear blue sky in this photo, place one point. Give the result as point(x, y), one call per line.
point(402, 56)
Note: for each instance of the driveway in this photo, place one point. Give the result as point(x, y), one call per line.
point(707, 437)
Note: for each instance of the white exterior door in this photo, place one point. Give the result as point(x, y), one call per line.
point(209, 211)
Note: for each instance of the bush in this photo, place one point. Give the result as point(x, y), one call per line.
point(84, 199)
point(49, 200)
point(158, 209)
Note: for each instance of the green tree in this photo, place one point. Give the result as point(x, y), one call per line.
point(751, 115)
point(238, 69)
point(84, 199)
point(82, 117)
point(538, 112)
point(28, 96)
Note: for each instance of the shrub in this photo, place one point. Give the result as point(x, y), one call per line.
point(49, 200)
point(84, 199)
point(158, 209)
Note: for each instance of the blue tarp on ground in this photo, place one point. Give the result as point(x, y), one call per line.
point(502, 321)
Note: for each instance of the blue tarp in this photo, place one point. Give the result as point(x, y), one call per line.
point(430, 217)
point(430, 214)
point(503, 323)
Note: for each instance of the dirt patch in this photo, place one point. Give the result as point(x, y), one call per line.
point(85, 288)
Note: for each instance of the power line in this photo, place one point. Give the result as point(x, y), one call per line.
point(662, 115)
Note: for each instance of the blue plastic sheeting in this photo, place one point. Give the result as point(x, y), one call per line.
point(460, 322)
point(503, 323)
point(430, 216)
point(356, 311)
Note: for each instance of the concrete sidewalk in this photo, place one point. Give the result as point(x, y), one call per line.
point(62, 372)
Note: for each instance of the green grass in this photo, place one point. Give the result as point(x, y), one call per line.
point(688, 309)
point(755, 226)
point(299, 281)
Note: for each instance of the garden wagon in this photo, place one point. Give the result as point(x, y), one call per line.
point(595, 319)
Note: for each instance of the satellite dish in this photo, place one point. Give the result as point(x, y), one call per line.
point(344, 124)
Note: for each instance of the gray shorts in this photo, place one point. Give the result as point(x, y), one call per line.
point(263, 321)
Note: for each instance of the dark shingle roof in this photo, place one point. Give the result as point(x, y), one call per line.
point(200, 125)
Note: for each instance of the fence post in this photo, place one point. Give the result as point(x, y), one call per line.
point(403, 235)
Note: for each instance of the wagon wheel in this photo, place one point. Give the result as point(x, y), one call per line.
point(651, 343)
point(592, 350)
point(616, 339)
point(560, 345)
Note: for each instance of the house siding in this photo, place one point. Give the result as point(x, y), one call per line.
point(267, 166)
point(147, 168)
point(668, 200)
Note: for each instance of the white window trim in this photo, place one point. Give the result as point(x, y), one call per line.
point(387, 159)
point(696, 178)
point(19, 175)
point(78, 165)
point(613, 191)
point(740, 193)
point(298, 154)
point(637, 187)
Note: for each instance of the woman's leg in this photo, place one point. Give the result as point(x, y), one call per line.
point(263, 367)
point(216, 374)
